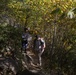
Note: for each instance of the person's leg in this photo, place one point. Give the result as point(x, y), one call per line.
point(42, 51)
point(40, 62)
point(25, 48)
point(39, 58)
point(39, 55)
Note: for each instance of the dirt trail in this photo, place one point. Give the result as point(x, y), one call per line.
point(34, 67)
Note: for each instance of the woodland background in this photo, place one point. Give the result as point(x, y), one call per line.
point(55, 20)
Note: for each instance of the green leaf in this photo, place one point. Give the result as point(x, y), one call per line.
point(74, 11)
point(57, 10)
point(62, 16)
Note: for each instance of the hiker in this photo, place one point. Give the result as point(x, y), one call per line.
point(39, 46)
point(26, 37)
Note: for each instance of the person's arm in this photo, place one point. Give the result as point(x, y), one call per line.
point(44, 44)
point(42, 40)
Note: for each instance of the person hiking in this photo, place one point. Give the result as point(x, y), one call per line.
point(26, 47)
point(26, 37)
point(39, 46)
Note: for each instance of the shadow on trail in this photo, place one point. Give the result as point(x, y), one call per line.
point(28, 72)
point(8, 65)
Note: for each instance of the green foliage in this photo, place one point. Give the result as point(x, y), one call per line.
point(57, 10)
point(49, 19)
point(9, 36)
point(74, 10)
